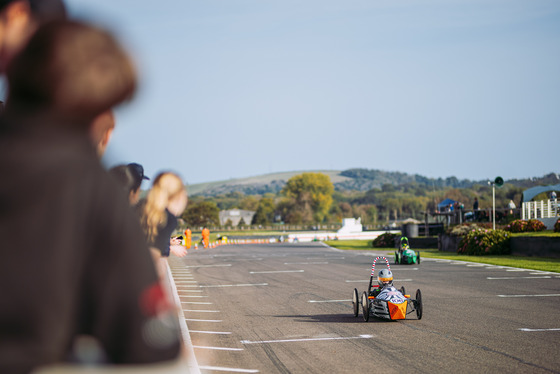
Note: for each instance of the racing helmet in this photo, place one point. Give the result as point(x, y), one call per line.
point(385, 278)
point(404, 242)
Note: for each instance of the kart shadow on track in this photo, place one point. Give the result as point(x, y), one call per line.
point(327, 318)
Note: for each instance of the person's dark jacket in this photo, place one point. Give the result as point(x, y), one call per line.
point(161, 241)
point(73, 258)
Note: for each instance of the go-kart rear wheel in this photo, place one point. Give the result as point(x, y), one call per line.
point(355, 302)
point(417, 257)
point(418, 304)
point(403, 291)
point(365, 306)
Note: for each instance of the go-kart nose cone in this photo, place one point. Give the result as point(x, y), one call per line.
point(397, 311)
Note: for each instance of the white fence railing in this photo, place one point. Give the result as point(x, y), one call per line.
point(540, 209)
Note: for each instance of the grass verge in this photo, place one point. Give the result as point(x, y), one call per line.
point(536, 263)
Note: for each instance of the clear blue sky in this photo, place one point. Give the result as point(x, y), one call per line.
point(236, 88)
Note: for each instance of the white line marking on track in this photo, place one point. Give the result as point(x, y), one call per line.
point(183, 286)
point(232, 370)
point(517, 270)
point(210, 332)
point(535, 277)
point(367, 280)
point(203, 320)
point(191, 290)
point(201, 311)
point(196, 302)
point(225, 256)
point(218, 348)
point(305, 340)
point(476, 266)
point(185, 282)
point(277, 271)
point(543, 295)
point(328, 301)
point(235, 285)
point(200, 296)
point(305, 263)
point(532, 330)
point(207, 266)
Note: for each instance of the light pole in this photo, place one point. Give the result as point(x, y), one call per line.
point(499, 181)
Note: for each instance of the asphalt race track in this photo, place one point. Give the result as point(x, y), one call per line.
point(286, 308)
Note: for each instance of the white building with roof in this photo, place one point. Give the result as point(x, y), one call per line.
point(235, 216)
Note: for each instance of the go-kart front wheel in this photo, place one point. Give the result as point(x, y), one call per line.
point(365, 306)
point(418, 304)
point(355, 302)
point(403, 291)
point(417, 257)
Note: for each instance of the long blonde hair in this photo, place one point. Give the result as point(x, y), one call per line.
point(165, 188)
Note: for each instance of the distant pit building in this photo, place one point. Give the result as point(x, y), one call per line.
point(235, 216)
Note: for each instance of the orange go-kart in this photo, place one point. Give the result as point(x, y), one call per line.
point(389, 303)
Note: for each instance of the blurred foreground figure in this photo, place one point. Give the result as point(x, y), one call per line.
point(75, 265)
point(18, 21)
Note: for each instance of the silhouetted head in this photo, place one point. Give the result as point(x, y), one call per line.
point(70, 71)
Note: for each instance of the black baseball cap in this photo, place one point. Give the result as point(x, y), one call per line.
point(138, 170)
point(43, 10)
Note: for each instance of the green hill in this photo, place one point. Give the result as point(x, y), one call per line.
point(257, 185)
point(348, 180)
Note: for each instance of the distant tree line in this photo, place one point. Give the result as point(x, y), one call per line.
point(311, 198)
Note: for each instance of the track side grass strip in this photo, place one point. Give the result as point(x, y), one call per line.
point(535, 263)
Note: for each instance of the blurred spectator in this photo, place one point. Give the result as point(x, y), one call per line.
point(475, 208)
point(130, 177)
point(74, 260)
point(166, 200)
point(205, 237)
point(511, 206)
point(44, 80)
point(20, 19)
point(188, 238)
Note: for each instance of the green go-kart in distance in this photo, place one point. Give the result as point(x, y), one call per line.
point(405, 255)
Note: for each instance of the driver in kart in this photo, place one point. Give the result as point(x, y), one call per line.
point(384, 279)
point(404, 244)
